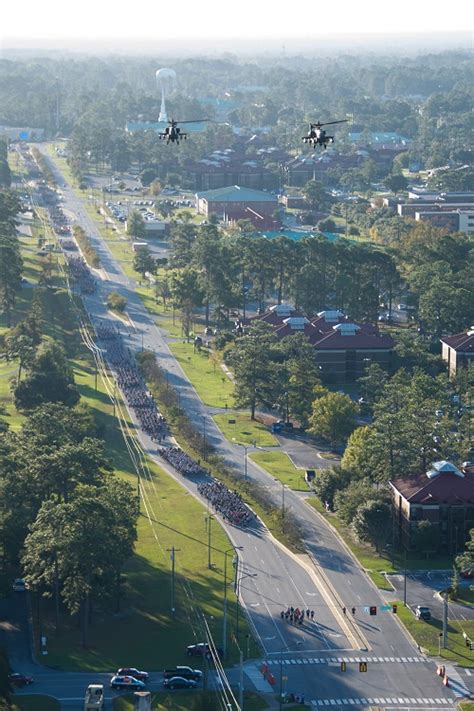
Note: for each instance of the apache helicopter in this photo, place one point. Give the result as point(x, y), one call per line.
point(317, 135)
point(173, 134)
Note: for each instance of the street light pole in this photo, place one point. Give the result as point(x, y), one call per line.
point(246, 448)
point(237, 592)
point(283, 487)
point(224, 631)
point(204, 437)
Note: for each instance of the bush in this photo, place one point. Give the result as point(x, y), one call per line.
point(116, 302)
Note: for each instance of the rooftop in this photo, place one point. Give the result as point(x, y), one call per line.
point(235, 193)
point(444, 483)
point(461, 342)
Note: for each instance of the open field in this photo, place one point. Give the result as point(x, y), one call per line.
point(244, 430)
point(280, 466)
point(212, 385)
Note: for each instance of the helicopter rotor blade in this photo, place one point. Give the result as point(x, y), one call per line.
point(194, 121)
point(331, 123)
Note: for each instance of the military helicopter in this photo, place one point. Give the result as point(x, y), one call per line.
point(173, 133)
point(317, 135)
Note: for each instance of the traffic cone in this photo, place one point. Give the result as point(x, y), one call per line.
point(446, 680)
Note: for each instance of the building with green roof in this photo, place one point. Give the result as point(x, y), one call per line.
point(236, 203)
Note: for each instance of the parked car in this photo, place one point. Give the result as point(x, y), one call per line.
point(19, 585)
point(422, 613)
point(201, 649)
point(131, 671)
point(179, 682)
point(17, 679)
point(126, 682)
point(185, 672)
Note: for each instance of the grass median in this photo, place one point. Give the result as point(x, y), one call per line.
point(211, 384)
point(238, 427)
point(280, 466)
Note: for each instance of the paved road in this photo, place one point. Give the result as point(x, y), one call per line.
point(325, 581)
point(423, 588)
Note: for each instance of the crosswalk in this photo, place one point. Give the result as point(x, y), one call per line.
point(400, 701)
point(456, 684)
point(348, 660)
point(257, 679)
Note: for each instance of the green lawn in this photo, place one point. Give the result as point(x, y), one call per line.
point(280, 466)
point(183, 701)
point(35, 702)
point(212, 385)
point(244, 430)
point(426, 634)
point(466, 705)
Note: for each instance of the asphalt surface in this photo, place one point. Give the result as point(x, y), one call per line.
point(325, 581)
point(424, 588)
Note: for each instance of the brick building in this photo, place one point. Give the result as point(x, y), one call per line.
point(343, 349)
point(458, 350)
point(236, 203)
point(444, 496)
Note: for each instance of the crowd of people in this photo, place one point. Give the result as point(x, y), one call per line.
point(131, 382)
point(226, 502)
point(81, 274)
point(69, 245)
point(297, 616)
point(181, 461)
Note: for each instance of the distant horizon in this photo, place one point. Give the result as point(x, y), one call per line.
point(369, 41)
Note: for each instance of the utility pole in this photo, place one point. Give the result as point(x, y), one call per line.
point(224, 630)
point(173, 552)
point(208, 519)
point(445, 620)
point(241, 676)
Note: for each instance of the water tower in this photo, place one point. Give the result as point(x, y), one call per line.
point(166, 79)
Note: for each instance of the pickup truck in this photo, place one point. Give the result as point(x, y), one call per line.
point(184, 673)
point(94, 698)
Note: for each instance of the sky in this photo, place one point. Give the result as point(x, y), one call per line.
point(220, 19)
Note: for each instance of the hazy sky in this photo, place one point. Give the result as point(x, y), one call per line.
point(169, 19)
